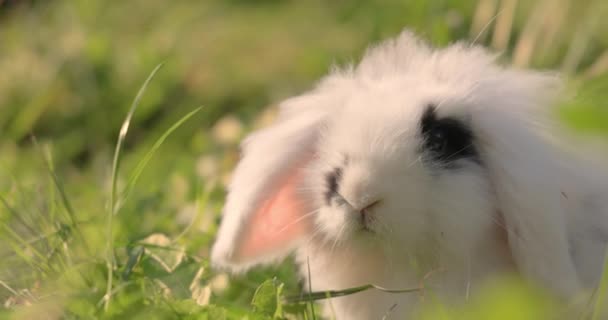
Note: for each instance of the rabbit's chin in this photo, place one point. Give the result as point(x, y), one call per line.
point(402, 229)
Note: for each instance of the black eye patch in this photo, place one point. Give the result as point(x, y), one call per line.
point(446, 140)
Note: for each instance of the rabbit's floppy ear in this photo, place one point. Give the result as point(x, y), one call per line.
point(264, 217)
point(525, 172)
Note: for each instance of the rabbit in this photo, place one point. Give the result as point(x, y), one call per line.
point(418, 165)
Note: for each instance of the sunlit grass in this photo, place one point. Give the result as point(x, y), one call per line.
point(69, 71)
point(113, 205)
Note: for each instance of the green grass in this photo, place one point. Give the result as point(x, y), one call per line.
point(109, 203)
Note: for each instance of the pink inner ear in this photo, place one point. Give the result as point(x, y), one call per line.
point(277, 223)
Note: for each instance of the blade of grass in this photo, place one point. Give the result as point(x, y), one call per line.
point(144, 161)
point(48, 160)
point(43, 237)
point(321, 295)
point(310, 302)
point(52, 197)
point(504, 24)
point(13, 234)
point(114, 291)
point(115, 166)
point(602, 292)
point(19, 251)
point(200, 203)
point(7, 287)
point(583, 37)
point(15, 215)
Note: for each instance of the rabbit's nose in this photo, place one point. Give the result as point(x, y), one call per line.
point(365, 215)
point(367, 209)
point(359, 189)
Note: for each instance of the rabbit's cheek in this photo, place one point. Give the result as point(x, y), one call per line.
point(331, 222)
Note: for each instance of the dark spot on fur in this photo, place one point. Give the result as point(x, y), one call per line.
point(332, 180)
point(446, 140)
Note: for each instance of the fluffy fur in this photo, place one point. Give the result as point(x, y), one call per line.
point(525, 207)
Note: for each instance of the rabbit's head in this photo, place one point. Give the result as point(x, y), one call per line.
point(412, 146)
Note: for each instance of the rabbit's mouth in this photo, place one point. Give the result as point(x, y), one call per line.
point(366, 228)
point(366, 220)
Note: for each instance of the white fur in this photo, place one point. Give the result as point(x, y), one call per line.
point(453, 223)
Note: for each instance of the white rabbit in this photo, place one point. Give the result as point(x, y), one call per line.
point(416, 163)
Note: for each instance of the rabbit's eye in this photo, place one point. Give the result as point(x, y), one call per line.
point(446, 140)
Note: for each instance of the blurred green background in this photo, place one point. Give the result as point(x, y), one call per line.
point(69, 71)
